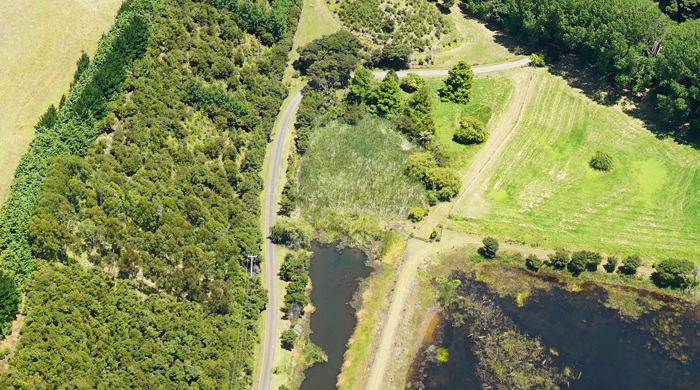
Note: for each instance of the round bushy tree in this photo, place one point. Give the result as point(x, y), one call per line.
point(289, 337)
point(411, 83)
point(559, 260)
point(416, 214)
point(457, 86)
point(674, 273)
point(470, 131)
point(601, 161)
point(490, 247)
point(611, 264)
point(9, 298)
point(630, 265)
point(577, 263)
point(533, 263)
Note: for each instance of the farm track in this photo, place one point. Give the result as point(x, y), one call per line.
point(270, 332)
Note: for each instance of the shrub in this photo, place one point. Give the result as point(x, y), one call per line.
point(416, 215)
point(538, 60)
point(291, 232)
point(674, 273)
point(630, 265)
point(289, 337)
point(411, 83)
point(559, 260)
point(611, 264)
point(601, 161)
point(443, 180)
point(470, 131)
point(533, 263)
point(490, 247)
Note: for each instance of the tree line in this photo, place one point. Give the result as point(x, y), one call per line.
point(631, 40)
point(164, 195)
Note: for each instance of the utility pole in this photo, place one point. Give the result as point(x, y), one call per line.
point(251, 258)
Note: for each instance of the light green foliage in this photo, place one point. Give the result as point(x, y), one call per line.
point(386, 98)
point(541, 178)
point(418, 164)
point(444, 181)
point(470, 131)
point(416, 214)
point(293, 233)
point(360, 86)
point(537, 59)
point(457, 86)
point(447, 290)
point(674, 273)
point(358, 169)
point(601, 161)
point(411, 83)
point(443, 355)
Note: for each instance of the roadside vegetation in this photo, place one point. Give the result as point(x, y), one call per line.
point(147, 178)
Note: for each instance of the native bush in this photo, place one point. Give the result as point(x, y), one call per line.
point(601, 161)
point(470, 131)
point(674, 273)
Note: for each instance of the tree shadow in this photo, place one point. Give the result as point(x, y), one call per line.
point(597, 87)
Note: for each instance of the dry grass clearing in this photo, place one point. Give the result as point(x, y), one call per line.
point(541, 190)
point(41, 42)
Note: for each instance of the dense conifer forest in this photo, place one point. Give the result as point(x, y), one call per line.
point(139, 200)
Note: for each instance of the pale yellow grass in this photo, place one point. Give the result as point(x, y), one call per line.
point(40, 42)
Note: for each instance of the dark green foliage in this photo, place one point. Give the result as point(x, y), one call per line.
point(457, 86)
point(289, 337)
point(82, 65)
point(85, 329)
point(417, 120)
point(416, 215)
point(385, 99)
point(681, 10)
point(10, 298)
point(630, 40)
point(411, 83)
point(559, 260)
point(674, 273)
point(611, 264)
point(584, 261)
point(294, 270)
point(259, 18)
point(293, 233)
point(490, 247)
point(601, 161)
point(309, 109)
point(160, 199)
point(48, 119)
point(392, 56)
point(533, 263)
point(630, 265)
point(328, 61)
point(470, 131)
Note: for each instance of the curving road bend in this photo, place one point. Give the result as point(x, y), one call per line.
point(272, 310)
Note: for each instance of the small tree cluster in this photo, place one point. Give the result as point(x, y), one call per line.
point(294, 270)
point(411, 83)
point(289, 337)
point(674, 273)
point(601, 161)
point(533, 263)
point(444, 181)
point(416, 214)
point(490, 247)
point(470, 131)
point(293, 233)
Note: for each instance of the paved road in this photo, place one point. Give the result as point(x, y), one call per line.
point(270, 338)
point(443, 72)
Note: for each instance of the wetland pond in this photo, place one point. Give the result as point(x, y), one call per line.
point(659, 350)
point(335, 276)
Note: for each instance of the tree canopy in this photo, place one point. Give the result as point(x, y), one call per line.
point(457, 86)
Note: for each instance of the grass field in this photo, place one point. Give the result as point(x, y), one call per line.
point(540, 189)
point(475, 44)
point(41, 42)
point(489, 95)
point(359, 169)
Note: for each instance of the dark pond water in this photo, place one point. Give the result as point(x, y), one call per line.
point(335, 277)
point(610, 353)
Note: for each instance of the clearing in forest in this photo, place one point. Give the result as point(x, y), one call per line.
point(359, 169)
point(541, 190)
point(41, 42)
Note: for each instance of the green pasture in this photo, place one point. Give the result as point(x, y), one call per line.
point(358, 169)
point(540, 189)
